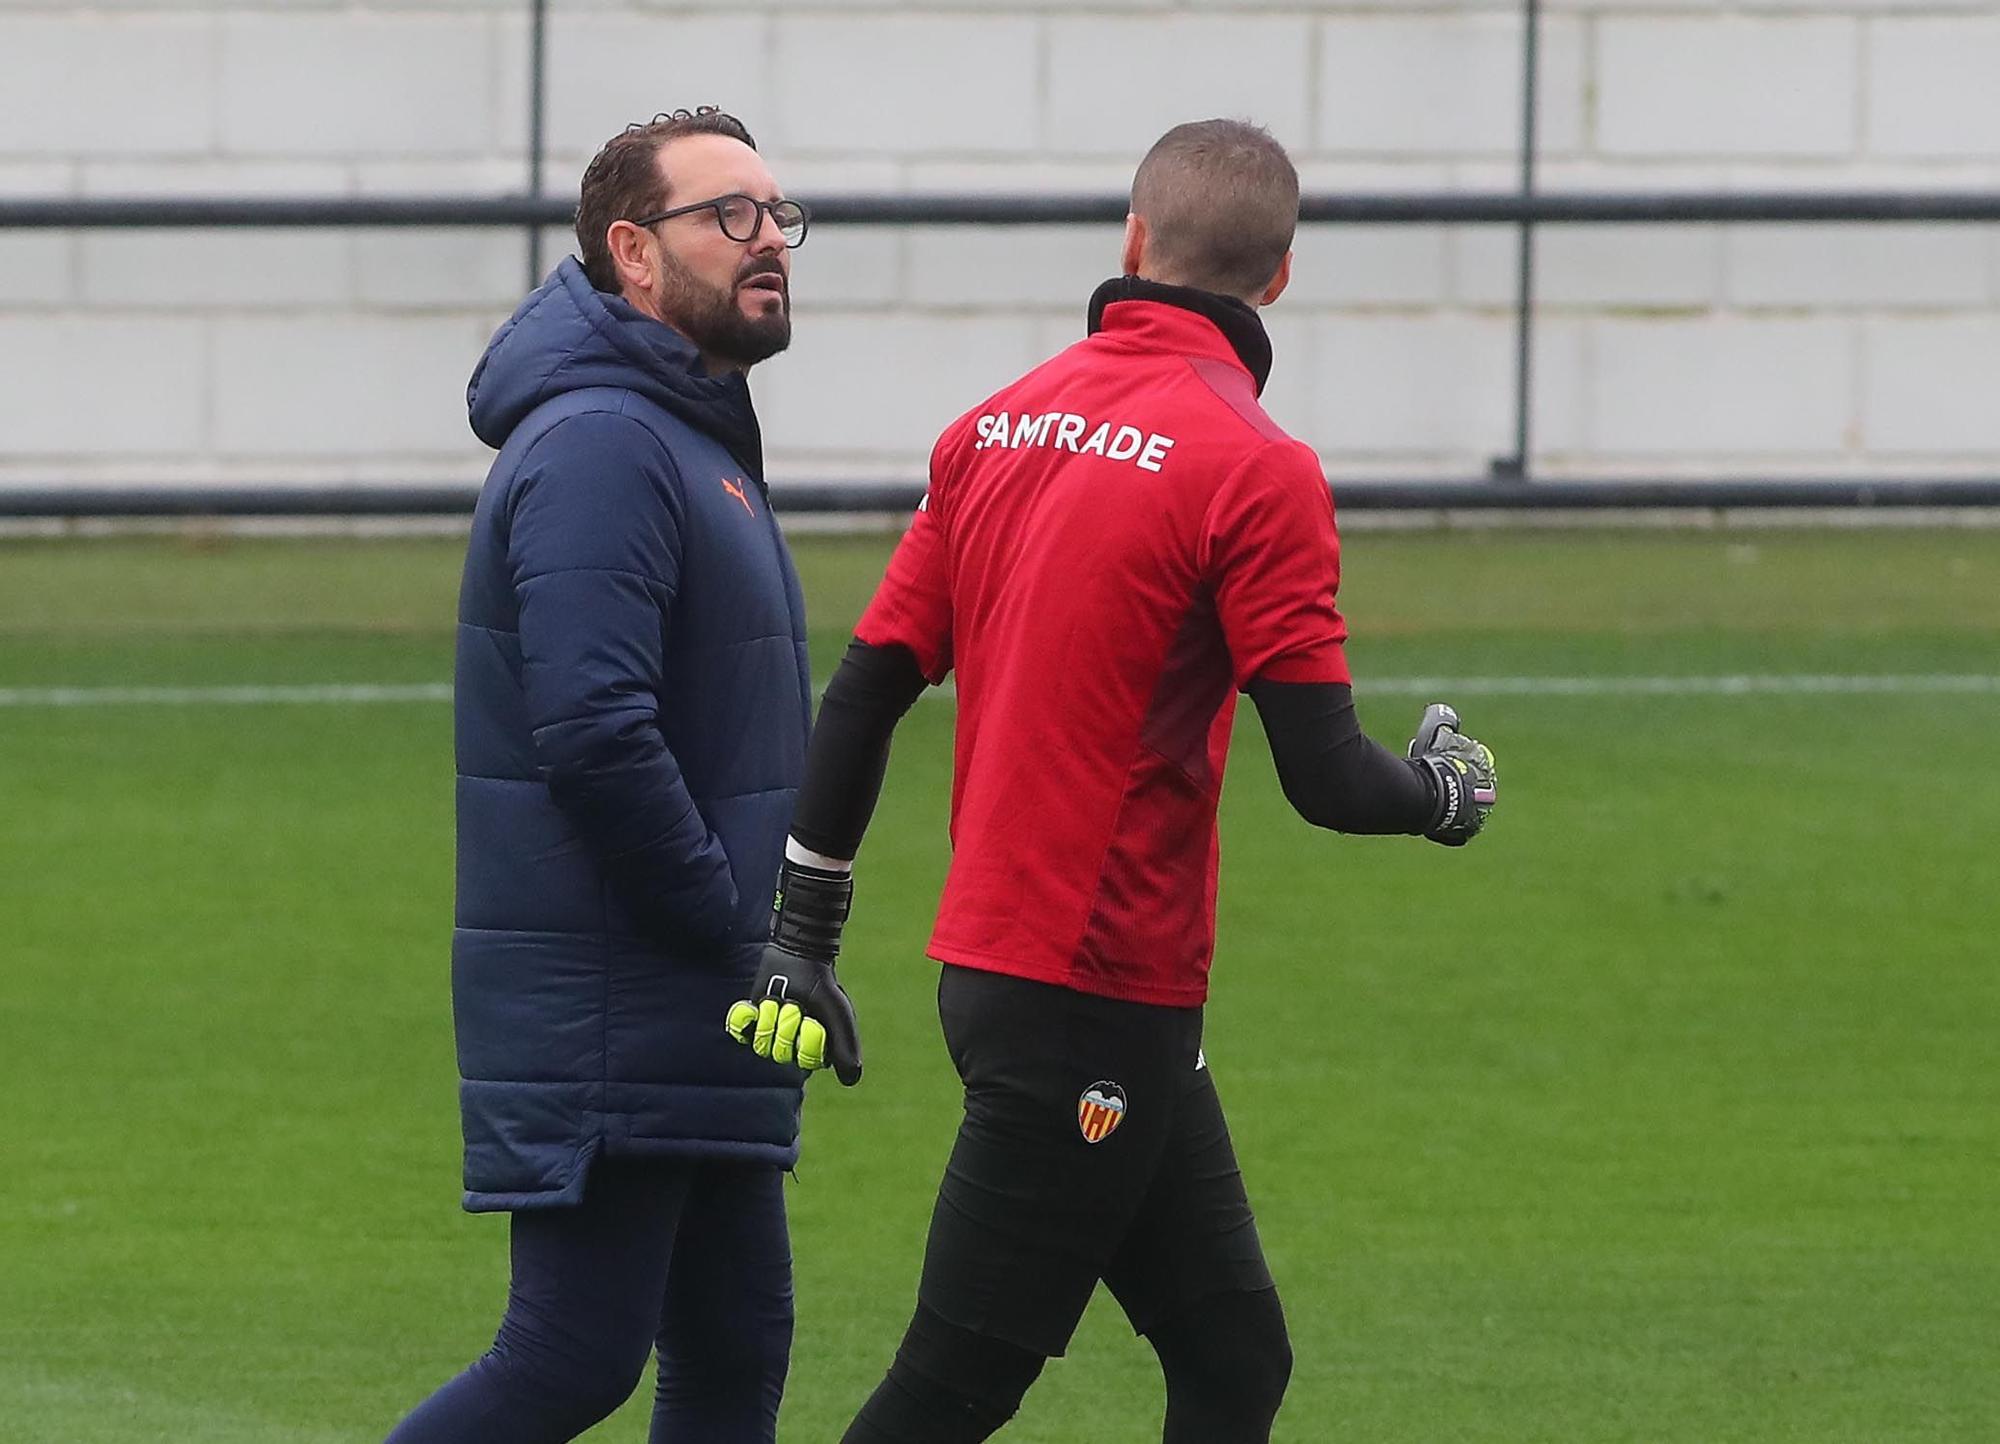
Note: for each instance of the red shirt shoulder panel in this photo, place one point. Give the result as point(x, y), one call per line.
point(1234, 388)
point(1271, 553)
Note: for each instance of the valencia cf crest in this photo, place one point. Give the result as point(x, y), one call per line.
point(1100, 1110)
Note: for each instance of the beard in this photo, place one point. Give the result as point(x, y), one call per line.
point(710, 317)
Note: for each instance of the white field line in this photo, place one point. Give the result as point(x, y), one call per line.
point(245, 696)
point(1737, 685)
point(1763, 684)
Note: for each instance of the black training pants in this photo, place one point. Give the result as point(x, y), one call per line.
point(1093, 1147)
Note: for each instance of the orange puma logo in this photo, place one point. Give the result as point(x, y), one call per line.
point(737, 492)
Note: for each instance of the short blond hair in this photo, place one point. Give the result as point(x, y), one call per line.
point(1220, 199)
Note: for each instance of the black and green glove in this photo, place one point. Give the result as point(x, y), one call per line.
point(1461, 771)
point(797, 1012)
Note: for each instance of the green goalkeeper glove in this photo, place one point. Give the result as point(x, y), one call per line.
point(1463, 773)
point(797, 1012)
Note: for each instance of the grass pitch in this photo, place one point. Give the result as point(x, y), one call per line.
point(1668, 1112)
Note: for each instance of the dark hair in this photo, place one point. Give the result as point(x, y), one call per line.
point(1221, 201)
point(623, 181)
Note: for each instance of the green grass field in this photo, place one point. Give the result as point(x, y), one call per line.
point(1668, 1112)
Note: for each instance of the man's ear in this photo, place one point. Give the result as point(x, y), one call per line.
point(1135, 245)
point(1278, 282)
point(628, 245)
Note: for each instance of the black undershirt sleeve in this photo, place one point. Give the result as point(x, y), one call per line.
point(849, 753)
point(1333, 774)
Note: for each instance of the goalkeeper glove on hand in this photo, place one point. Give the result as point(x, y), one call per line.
point(797, 1012)
point(1462, 774)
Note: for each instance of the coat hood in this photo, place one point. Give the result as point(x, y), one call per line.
point(568, 335)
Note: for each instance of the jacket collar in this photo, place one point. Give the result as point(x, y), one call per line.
point(568, 335)
point(1248, 344)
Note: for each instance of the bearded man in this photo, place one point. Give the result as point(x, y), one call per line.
point(632, 710)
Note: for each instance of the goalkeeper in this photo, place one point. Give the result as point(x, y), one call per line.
point(1109, 551)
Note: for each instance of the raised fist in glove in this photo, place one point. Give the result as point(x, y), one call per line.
point(797, 1012)
point(1462, 774)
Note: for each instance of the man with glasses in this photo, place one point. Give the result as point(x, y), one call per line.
point(632, 710)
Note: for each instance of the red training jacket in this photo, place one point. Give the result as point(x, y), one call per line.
point(1110, 549)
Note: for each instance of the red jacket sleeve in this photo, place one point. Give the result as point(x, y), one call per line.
point(1271, 557)
point(912, 606)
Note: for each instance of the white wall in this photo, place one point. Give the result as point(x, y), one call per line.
point(179, 356)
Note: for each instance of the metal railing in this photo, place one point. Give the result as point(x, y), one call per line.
point(1509, 482)
point(953, 208)
point(871, 497)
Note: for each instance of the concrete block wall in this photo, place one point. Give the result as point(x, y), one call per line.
point(292, 355)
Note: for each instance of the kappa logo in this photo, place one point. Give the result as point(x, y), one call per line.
point(1100, 1110)
point(735, 489)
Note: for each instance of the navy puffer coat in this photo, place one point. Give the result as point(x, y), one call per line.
point(632, 709)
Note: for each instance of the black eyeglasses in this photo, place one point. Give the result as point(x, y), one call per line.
point(742, 216)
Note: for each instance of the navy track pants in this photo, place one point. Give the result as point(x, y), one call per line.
point(686, 1258)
